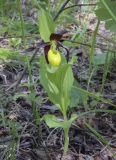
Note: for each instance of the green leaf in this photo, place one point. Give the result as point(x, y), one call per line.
point(7, 54)
point(57, 82)
point(96, 96)
point(15, 42)
point(100, 59)
point(107, 11)
point(73, 118)
point(53, 122)
point(82, 114)
point(46, 25)
point(32, 97)
point(99, 136)
point(73, 60)
point(77, 96)
point(18, 95)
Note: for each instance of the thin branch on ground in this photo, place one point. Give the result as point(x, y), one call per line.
point(88, 45)
point(61, 9)
point(80, 5)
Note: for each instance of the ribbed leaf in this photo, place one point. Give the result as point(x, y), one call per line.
point(57, 82)
point(107, 11)
point(53, 122)
point(46, 25)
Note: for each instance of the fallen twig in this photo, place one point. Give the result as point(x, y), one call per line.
point(80, 5)
point(61, 9)
point(88, 45)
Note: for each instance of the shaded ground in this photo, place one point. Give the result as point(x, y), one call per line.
point(21, 137)
point(83, 144)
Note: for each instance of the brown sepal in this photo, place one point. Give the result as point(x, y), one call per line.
point(56, 37)
point(46, 49)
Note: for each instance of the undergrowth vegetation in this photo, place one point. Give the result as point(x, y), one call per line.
point(57, 76)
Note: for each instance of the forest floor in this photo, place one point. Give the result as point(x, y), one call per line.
point(19, 134)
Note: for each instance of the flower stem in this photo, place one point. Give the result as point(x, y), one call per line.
point(66, 141)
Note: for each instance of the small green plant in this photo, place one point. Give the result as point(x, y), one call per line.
point(33, 98)
point(7, 54)
point(106, 11)
point(56, 76)
point(58, 80)
point(15, 42)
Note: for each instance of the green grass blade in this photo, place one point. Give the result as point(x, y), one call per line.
point(92, 51)
point(99, 136)
point(95, 96)
point(109, 10)
point(95, 111)
point(22, 23)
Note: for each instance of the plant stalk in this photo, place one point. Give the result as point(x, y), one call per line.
point(66, 141)
point(22, 23)
point(66, 137)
